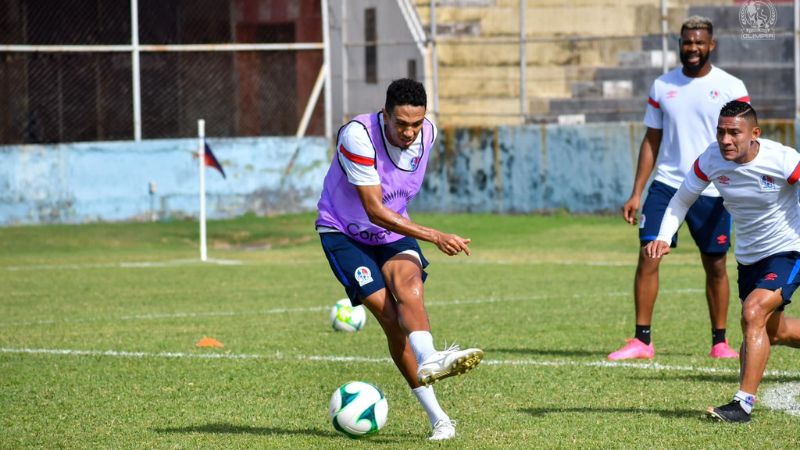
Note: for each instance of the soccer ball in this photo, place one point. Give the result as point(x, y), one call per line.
point(346, 317)
point(358, 409)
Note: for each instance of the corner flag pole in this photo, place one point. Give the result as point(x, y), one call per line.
point(201, 153)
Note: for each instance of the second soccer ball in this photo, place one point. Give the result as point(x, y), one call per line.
point(346, 317)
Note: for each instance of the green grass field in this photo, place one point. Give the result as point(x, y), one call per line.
point(98, 325)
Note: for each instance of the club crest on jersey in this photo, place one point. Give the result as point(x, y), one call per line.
point(723, 179)
point(414, 163)
point(363, 276)
point(768, 184)
point(672, 94)
point(713, 95)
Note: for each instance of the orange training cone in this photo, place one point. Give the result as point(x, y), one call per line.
point(209, 342)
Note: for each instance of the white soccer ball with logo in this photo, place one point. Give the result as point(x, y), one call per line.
point(346, 317)
point(358, 409)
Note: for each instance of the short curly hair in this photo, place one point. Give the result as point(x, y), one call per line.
point(698, 23)
point(405, 91)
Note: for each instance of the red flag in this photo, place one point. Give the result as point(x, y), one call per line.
point(211, 160)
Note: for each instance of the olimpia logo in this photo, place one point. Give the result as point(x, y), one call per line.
point(758, 18)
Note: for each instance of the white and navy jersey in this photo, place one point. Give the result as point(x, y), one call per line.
point(357, 155)
point(686, 110)
point(761, 195)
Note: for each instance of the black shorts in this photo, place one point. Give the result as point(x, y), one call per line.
point(358, 266)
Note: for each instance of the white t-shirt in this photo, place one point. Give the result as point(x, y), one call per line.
point(357, 155)
point(761, 195)
point(686, 110)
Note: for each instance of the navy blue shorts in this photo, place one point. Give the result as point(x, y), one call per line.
point(708, 221)
point(777, 271)
point(358, 266)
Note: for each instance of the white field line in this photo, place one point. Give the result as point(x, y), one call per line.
point(783, 397)
point(368, 360)
point(233, 262)
point(125, 265)
point(435, 304)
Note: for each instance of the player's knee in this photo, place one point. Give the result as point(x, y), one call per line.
point(754, 314)
point(409, 290)
point(717, 272)
point(646, 263)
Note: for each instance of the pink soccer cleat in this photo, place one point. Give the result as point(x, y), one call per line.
point(634, 349)
point(723, 350)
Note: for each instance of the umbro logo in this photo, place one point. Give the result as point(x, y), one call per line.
point(771, 276)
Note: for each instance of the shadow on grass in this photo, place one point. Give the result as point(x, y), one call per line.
point(668, 413)
point(546, 352)
point(729, 378)
point(722, 378)
point(228, 428)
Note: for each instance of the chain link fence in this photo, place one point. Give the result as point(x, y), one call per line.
point(67, 70)
point(582, 61)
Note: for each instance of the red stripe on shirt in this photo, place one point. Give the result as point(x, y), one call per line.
point(795, 175)
point(358, 159)
point(699, 172)
point(653, 103)
point(745, 99)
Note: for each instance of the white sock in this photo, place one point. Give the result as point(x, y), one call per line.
point(746, 401)
point(422, 344)
point(428, 401)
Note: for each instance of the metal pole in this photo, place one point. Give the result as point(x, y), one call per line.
point(523, 64)
point(434, 63)
point(326, 61)
point(135, 72)
point(664, 37)
point(345, 73)
point(312, 102)
point(201, 153)
point(796, 61)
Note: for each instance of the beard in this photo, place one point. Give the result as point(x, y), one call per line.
point(694, 67)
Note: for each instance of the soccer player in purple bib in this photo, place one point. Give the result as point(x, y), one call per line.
point(371, 243)
point(681, 115)
point(758, 180)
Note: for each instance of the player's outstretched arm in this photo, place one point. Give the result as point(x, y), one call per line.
point(674, 215)
point(648, 152)
point(379, 214)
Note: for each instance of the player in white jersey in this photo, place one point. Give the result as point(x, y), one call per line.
point(758, 180)
point(681, 117)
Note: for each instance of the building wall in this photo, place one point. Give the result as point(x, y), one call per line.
point(510, 169)
point(532, 168)
point(395, 47)
point(109, 181)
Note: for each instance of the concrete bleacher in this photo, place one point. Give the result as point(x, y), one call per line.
point(765, 66)
point(595, 59)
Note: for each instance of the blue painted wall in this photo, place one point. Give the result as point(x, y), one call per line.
point(73, 183)
point(581, 168)
point(585, 168)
